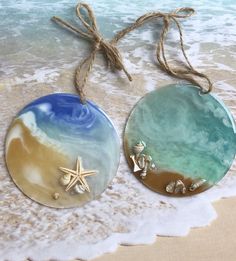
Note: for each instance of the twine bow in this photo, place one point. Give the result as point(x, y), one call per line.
point(109, 49)
point(113, 56)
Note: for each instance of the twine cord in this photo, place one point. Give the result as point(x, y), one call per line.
point(111, 53)
point(113, 56)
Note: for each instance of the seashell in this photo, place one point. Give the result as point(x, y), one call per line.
point(56, 195)
point(148, 158)
point(79, 189)
point(176, 187)
point(136, 166)
point(180, 187)
point(139, 147)
point(142, 161)
point(170, 187)
point(143, 174)
point(153, 166)
point(196, 184)
point(65, 179)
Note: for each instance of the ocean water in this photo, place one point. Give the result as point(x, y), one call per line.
point(31, 44)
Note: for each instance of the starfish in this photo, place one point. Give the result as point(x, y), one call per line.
point(78, 175)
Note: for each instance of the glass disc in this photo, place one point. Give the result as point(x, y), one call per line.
point(178, 141)
point(60, 152)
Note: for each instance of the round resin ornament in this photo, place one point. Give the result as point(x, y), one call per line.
point(61, 152)
point(179, 141)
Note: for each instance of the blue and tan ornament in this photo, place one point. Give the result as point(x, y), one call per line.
point(43, 144)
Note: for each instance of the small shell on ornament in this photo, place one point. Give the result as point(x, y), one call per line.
point(143, 174)
point(153, 166)
point(197, 184)
point(175, 187)
point(79, 189)
point(65, 179)
point(139, 147)
point(170, 187)
point(180, 187)
point(56, 195)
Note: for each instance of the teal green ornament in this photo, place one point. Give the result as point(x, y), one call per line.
point(179, 141)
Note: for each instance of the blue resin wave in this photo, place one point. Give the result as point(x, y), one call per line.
point(52, 132)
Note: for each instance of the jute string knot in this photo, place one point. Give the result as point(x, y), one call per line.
point(113, 56)
point(92, 33)
point(188, 73)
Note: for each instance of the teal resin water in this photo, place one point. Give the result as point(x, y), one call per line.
point(184, 131)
